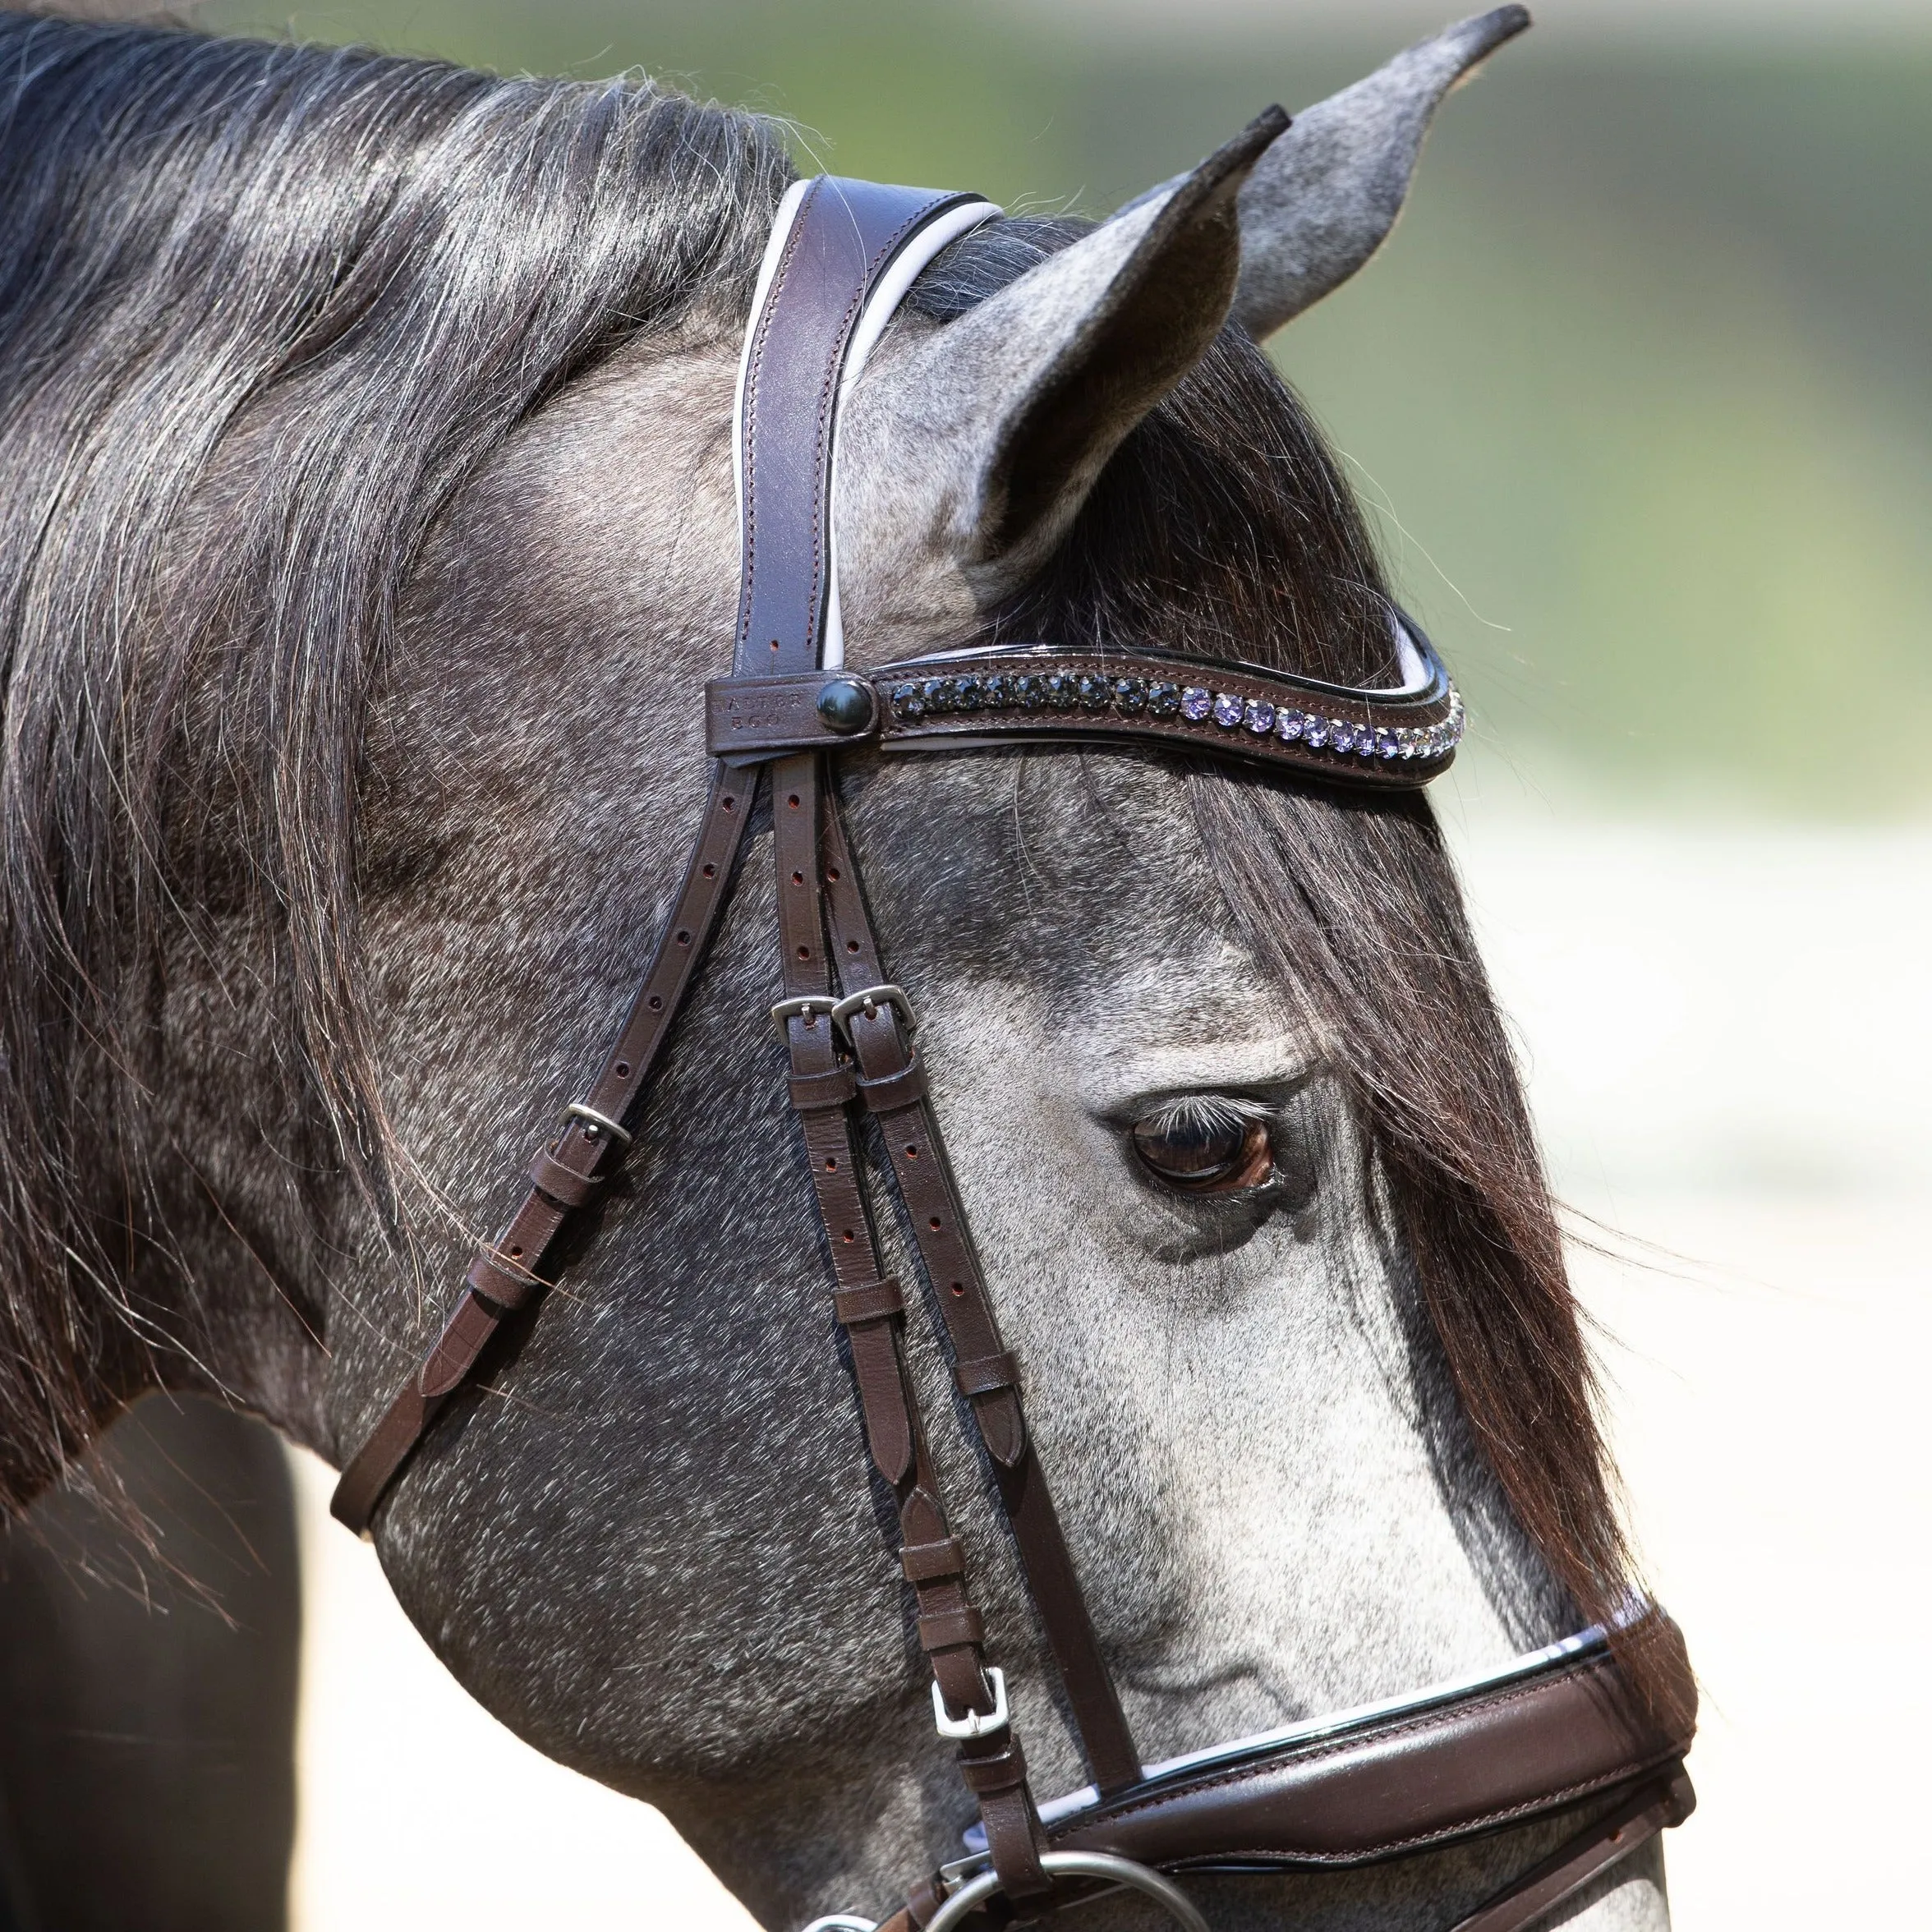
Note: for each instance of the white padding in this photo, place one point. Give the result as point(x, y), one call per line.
point(904, 270)
point(1415, 673)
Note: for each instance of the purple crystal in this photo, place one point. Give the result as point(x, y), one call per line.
point(1342, 735)
point(1228, 710)
point(1315, 732)
point(1258, 715)
point(1288, 723)
point(1385, 743)
point(1195, 703)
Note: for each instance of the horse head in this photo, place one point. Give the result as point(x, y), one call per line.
point(392, 753)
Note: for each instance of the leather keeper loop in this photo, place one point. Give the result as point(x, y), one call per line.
point(922, 1902)
point(984, 1374)
point(813, 1093)
point(896, 1090)
point(496, 1282)
point(564, 1185)
point(1005, 1771)
point(927, 1562)
point(949, 1629)
point(871, 1301)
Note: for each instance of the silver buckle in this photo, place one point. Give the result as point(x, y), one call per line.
point(870, 1000)
point(802, 1009)
point(974, 1724)
point(595, 1123)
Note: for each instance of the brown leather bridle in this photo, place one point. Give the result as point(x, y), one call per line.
point(1559, 1730)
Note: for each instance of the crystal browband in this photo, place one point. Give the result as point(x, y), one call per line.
point(1396, 737)
point(1093, 693)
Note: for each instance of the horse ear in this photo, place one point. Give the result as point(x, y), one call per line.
point(1323, 198)
point(994, 427)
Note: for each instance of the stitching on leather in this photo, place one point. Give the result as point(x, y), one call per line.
point(753, 376)
point(1438, 1720)
point(1488, 1821)
point(828, 390)
point(827, 394)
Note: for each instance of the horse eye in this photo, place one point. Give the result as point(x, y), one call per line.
point(1205, 1152)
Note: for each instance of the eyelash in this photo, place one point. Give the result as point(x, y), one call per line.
point(1249, 1162)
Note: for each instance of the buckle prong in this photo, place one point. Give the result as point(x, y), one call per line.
point(595, 1123)
point(868, 999)
point(974, 1724)
point(801, 1009)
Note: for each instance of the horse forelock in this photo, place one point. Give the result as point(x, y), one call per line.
point(1222, 526)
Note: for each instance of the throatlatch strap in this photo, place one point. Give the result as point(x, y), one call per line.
point(587, 1147)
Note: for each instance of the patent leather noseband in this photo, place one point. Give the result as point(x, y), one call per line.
point(1560, 1731)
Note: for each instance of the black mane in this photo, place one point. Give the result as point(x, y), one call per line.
point(262, 308)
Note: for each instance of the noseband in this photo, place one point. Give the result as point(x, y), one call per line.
point(1559, 1731)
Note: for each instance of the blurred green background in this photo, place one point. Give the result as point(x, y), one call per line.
point(1639, 393)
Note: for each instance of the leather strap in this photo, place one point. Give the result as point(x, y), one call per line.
point(584, 1152)
point(1605, 1842)
point(792, 382)
point(950, 1630)
point(844, 235)
point(986, 1370)
point(1561, 1734)
point(1054, 694)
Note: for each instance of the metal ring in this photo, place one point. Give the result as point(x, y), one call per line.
point(844, 1922)
point(1078, 1865)
point(602, 1123)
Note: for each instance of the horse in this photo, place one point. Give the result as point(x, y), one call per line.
point(371, 528)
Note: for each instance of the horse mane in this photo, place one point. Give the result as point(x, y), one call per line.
point(1222, 526)
point(263, 308)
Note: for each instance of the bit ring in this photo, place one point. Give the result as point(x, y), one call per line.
point(1078, 1865)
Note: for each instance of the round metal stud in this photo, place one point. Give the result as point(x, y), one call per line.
point(1078, 1865)
point(846, 706)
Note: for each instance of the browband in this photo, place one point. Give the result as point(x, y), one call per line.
point(1398, 736)
point(1559, 1729)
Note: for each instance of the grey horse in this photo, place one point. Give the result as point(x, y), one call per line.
point(369, 533)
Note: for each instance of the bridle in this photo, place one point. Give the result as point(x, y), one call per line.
point(1559, 1731)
